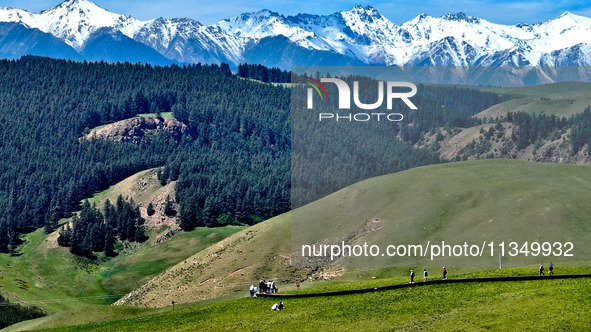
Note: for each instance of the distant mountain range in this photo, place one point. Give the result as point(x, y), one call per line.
point(79, 29)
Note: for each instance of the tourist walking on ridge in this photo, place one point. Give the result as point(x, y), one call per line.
point(541, 269)
point(425, 275)
point(444, 273)
point(551, 269)
point(412, 276)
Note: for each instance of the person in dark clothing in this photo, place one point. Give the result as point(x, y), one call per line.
point(444, 273)
point(262, 286)
point(425, 275)
point(412, 277)
point(551, 269)
point(541, 269)
point(281, 306)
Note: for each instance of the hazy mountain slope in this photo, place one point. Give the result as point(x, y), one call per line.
point(17, 40)
point(279, 51)
point(561, 99)
point(499, 138)
point(110, 45)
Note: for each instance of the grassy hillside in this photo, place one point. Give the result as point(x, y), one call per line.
point(563, 99)
point(143, 188)
point(500, 200)
point(500, 306)
point(84, 314)
point(228, 267)
point(48, 276)
point(487, 199)
point(467, 198)
point(477, 143)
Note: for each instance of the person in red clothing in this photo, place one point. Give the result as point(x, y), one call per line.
point(444, 273)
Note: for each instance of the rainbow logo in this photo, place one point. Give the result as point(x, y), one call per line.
point(316, 87)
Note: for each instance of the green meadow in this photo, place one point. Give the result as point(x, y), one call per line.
point(499, 306)
point(49, 276)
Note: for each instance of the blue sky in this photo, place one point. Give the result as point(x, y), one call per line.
point(398, 11)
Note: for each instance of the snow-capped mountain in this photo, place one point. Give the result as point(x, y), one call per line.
point(357, 36)
point(364, 34)
point(73, 21)
point(186, 40)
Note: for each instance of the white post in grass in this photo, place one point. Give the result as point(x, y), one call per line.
point(500, 262)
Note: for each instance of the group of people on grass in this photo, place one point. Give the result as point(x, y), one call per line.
point(270, 288)
point(550, 269)
point(426, 275)
point(267, 287)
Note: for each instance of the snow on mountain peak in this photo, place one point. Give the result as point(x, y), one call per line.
point(367, 13)
point(574, 17)
point(364, 34)
point(74, 4)
point(367, 10)
point(75, 20)
point(72, 21)
point(461, 16)
point(361, 33)
point(366, 26)
point(261, 24)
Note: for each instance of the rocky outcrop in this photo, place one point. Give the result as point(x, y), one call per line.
point(474, 143)
point(560, 152)
point(133, 130)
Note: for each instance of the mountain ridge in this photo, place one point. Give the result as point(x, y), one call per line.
point(362, 34)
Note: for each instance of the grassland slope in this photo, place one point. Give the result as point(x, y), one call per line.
point(501, 200)
point(561, 99)
point(46, 275)
point(502, 306)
